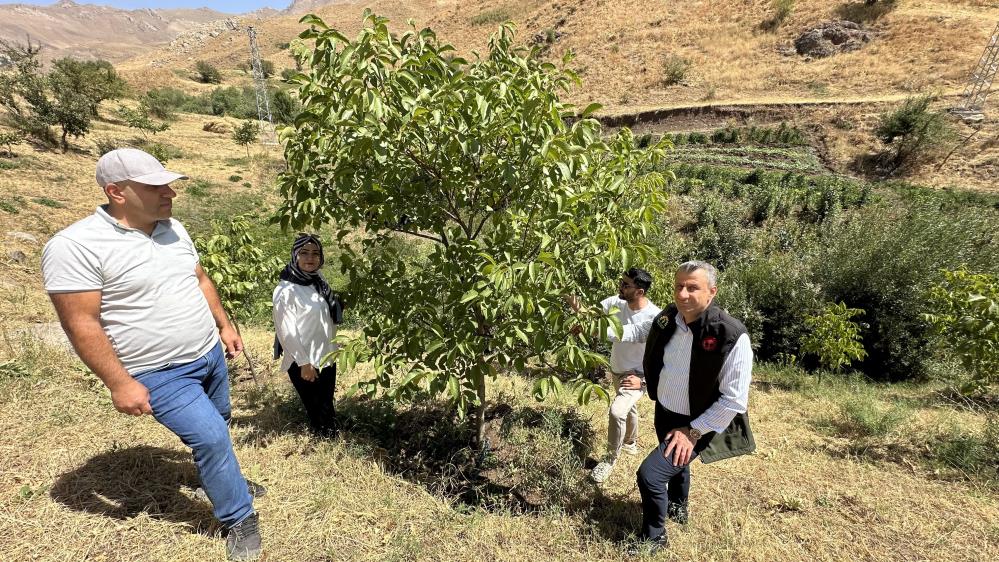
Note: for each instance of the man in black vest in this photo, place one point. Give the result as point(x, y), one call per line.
point(698, 363)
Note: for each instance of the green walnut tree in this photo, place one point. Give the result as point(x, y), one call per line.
point(507, 197)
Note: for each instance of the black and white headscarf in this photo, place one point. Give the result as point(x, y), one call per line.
point(294, 274)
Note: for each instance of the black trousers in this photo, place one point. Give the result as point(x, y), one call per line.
point(659, 480)
point(317, 397)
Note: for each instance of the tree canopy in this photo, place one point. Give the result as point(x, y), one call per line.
point(508, 197)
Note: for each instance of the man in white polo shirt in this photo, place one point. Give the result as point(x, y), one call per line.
point(633, 309)
point(145, 318)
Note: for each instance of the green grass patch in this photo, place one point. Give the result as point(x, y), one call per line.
point(12, 205)
point(9, 165)
point(866, 416)
point(199, 188)
point(47, 202)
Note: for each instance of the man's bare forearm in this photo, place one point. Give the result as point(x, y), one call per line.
point(214, 302)
point(94, 348)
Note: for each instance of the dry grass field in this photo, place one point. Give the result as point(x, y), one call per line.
point(78, 481)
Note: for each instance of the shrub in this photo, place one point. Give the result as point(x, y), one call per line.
point(235, 178)
point(911, 132)
point(675, 69)
point(782, 10)
point(284, 108)
point(287, 73)
point(139, 119)
point(198, 188)
point(493, 16)
point(966, 317)
point(246, 134)
point(107, 144)
point(208, 73)
point(8, 141)
point(883, 261)
point(163, 152)
point(834, 337)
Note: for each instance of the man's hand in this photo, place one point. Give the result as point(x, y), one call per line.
point(308, 372)
point(231, 341)
point(631, 381)
point(131, 397)
point(680, 445)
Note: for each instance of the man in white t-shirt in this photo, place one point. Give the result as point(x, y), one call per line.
point(144, 317)
point(633, 308)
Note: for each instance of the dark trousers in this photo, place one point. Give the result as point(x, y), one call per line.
point(659, 480)
point(317, 397)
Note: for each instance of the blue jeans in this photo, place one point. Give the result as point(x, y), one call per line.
point(192, 400)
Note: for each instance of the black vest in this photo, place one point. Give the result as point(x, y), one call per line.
point(714, 336)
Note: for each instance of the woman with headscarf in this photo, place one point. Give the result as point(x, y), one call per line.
point(306, 314)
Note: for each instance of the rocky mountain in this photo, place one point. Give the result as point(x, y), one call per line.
point(91, 31)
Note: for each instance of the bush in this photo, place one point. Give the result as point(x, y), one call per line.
point(966, 317)
point(911, 132)
point(782, 10)
point(217, 127)
point(493, 16)
point(287, 74)
point(883, 261)
point(235, 178)
point(107, 144)
point(208, 73)
point(284, 108)
point(163, 152)
point(834, 337)
point(675, 69)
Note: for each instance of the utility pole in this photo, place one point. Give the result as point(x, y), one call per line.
point(267, 135)
point(973, 100)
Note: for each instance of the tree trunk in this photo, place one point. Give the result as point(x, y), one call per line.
point(65, 143)
point(480, 412)
point(246, 352)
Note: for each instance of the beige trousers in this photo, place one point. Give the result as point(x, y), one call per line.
point(622, 418)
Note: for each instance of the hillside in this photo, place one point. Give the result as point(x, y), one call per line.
point(66, 28)
point(622, 48)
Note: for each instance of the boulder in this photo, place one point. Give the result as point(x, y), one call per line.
point(830, 38)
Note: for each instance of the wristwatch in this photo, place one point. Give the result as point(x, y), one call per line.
point(694, 434)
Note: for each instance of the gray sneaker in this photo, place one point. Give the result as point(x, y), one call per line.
point(243, 541)
point(601, 472)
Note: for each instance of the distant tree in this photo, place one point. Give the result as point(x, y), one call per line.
point(8, 140)
point(246, 134)
point(139, 119)
point(266, 67)
point(67, 97)
point(284, 108)
point(911, 131)
point(208, 73)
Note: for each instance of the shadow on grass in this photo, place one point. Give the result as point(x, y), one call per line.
point(124, 483)
point(536, 459)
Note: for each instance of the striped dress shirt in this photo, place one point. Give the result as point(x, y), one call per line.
point(674, 380)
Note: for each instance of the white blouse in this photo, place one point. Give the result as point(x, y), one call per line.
point(303, 325)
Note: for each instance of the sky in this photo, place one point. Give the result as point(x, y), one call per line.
point(228, 6)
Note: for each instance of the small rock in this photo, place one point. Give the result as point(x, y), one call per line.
point(24, 236)
point(17, 256)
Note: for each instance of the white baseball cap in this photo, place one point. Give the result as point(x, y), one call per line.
point(133, 164)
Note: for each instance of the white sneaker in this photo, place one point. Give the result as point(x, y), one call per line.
point(630, 448)
point(601, 472)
